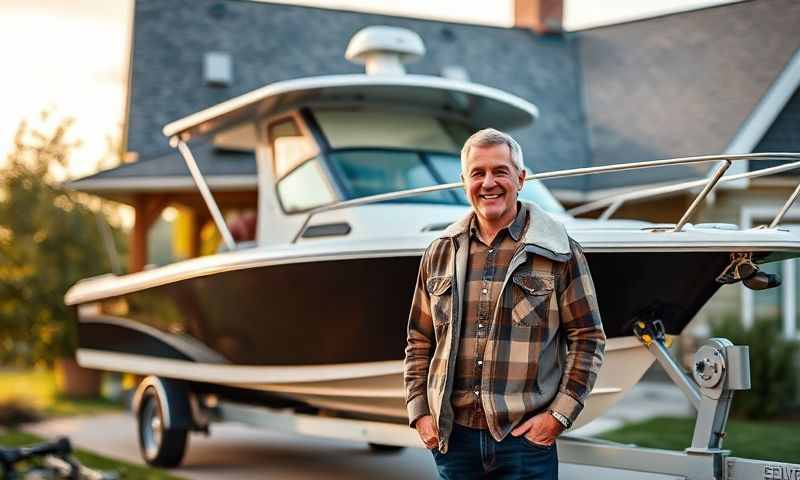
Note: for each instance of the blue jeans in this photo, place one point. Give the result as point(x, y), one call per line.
point(475, 454)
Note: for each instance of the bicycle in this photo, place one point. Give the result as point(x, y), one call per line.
point(50, 460)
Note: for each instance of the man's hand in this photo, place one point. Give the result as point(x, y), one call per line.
point(427, 431)
point(541, 429)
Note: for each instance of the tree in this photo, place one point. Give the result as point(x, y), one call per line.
point(48, 241)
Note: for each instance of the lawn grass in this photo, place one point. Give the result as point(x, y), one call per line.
point(763, 440)
point(37, 389)
point(13, 438)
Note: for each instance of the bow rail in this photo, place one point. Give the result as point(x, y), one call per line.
point(709, 184)
point(612, 204)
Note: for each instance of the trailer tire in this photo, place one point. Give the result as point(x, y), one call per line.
point(161, 445)
point(381, 448)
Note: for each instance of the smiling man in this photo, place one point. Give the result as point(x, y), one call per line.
point(504, 335)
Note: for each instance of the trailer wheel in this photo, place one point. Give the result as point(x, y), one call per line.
point(381, 448)
point(160, 445)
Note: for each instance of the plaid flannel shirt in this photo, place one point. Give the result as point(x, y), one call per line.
point(486, 271)
point(545, 343)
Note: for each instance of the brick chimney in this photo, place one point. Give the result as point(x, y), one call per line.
point(541, 16)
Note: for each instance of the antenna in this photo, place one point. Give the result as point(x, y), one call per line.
point(384, 49)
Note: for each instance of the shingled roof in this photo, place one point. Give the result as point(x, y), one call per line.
point(222, 169)
point(680, 84)
point(272, 42)
point(676, 85)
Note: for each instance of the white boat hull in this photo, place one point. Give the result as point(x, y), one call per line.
point(370, 389)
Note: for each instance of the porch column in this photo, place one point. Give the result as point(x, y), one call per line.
point(147, 209)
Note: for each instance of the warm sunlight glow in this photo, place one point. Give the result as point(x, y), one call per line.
point(72, 56)
point(69, 57)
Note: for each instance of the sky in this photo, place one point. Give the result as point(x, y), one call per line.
point(70, 56)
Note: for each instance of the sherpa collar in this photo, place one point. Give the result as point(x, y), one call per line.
point(543, 230)
point(514, 230)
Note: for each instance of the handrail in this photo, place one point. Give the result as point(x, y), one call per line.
point(785, 208)
point(612, 203)
point(205, 192)
point(710, 183)
point(703, 194)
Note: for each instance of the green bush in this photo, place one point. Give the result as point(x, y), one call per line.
point(14, 412)
point(48, 241)
point(774, 371)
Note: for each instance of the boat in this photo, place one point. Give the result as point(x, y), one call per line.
point(357, 174)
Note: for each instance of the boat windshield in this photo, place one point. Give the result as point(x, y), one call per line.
point(363, 172)
point(366, 171)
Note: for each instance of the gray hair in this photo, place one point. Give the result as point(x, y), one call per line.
point(489, 137)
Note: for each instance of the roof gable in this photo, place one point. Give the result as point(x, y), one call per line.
point(676, 85)
point(681, 84)
point(784, 134)
point(273, 42)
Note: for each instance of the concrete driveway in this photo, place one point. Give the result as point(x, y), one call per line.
point(237, 451)
point(241, 452)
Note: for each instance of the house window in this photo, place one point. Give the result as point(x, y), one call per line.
point(768, 304)
point(779, 302)
point(783, 301)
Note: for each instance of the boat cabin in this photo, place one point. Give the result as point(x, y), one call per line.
point(317, 142)
point(323, 140)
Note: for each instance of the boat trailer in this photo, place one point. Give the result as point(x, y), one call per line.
point(719, 369)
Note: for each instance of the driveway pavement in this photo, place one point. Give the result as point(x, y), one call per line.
point(241, 452)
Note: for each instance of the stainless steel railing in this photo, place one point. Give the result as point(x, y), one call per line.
point(611, 204)
point(205, 192)
point(708, 184)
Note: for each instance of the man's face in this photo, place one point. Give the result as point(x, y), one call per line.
point(492, 182)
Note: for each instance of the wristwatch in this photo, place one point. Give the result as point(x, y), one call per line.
point(562, 419)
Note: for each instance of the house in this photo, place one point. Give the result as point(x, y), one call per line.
point(716, 80)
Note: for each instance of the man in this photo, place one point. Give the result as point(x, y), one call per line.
point(504, 335)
